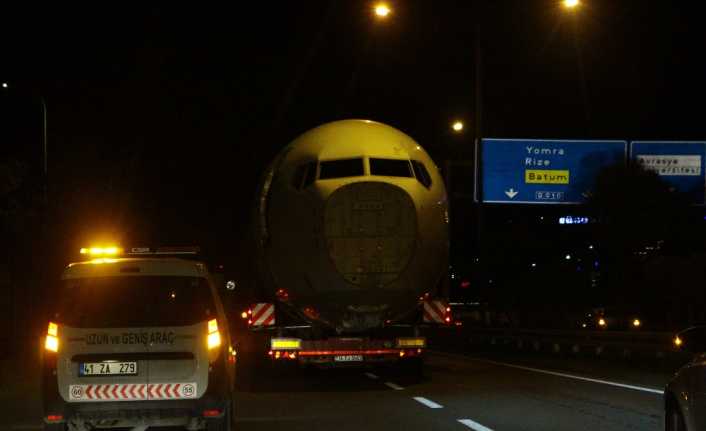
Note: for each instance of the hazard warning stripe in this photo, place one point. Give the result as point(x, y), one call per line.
point(430, 313)
point(132, 392)
point(263, 314)
point(260, 311)
point(269, 320)
point(434, 311)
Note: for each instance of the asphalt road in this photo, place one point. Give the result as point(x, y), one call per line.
point(456, 393)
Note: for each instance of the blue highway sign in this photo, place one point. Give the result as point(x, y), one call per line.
point(679, 163)
point(527, 171)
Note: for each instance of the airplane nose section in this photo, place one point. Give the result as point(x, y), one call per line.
point(370, 230)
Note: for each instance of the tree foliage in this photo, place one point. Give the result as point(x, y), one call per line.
point(640, 216)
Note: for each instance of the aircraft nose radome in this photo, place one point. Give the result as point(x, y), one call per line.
point(370, 230)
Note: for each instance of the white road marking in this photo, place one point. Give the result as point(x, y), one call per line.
point(394, 386)
point(429, 403)
point(575, 377)
point(474, 425)
point(372, 376)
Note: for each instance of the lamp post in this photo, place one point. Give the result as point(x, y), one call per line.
point(44, 146)
point(569, 6)
point(572, 6)
point(43, 104)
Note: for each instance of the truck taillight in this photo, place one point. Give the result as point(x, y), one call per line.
point(51, 342)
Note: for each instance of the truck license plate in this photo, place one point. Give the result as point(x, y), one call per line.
point(107, 369)
point(348, 358)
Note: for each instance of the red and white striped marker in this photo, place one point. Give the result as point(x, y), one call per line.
point(263, 314)
point(132, 392)
point(435, 311)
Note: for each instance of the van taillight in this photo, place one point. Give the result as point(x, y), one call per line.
point(51, 341)
point(55, 418)
point(213, 340)
point(214, 337)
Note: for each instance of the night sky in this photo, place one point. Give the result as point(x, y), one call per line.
point(162, 119)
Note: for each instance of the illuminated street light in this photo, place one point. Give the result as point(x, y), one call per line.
point(636, 323)
point(382, 10)
point(457, 126)
point(567, 257)
point(571, 4)
point(4, 85)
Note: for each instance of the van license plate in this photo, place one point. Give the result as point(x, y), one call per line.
point(348, 358)
point(107, 369)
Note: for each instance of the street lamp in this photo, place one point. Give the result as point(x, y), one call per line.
point(382, 10)
point(43, 104)
point(571, 4)
point(457, 126)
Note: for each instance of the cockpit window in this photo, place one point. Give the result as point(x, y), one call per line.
point(420, 171)
point(310, 174)
point(390, 168)
point(304, 175)
point(298, 176)
point(341, 168)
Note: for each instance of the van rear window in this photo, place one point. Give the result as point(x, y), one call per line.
point(134, 301)
point(341, 168)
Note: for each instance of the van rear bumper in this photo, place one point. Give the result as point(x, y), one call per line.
point(157, 412)
point(147, 411)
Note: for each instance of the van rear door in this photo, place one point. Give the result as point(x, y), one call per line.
point(133, 337)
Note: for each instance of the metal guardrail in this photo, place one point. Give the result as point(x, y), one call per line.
point(637, 345)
